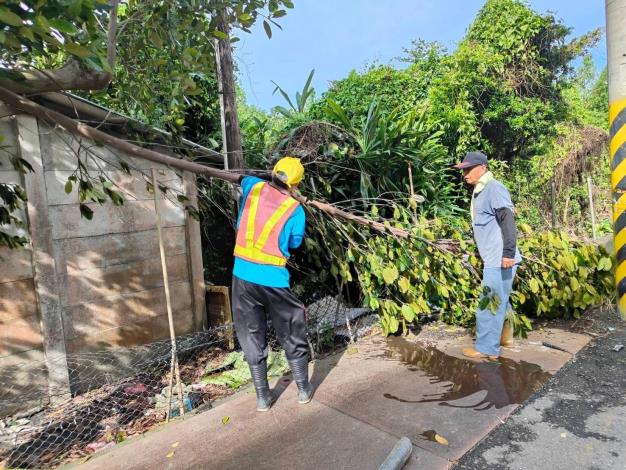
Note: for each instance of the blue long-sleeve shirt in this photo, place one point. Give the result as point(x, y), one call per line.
point(291, 237)
point(487, 231)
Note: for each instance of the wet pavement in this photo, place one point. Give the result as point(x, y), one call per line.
point(506, 381)
point(577, 421)
point(366, 399)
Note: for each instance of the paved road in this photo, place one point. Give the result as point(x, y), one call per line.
point(577, 422)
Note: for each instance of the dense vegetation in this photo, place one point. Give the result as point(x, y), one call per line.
point(510, 89)
point(379, 142)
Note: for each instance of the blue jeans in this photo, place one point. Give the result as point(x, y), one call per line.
point(489, 324)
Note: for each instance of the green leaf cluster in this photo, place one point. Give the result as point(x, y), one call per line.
point(57, 28)
point(501, 90)
point(13, 199)
point(436, 271)
point(237, 372)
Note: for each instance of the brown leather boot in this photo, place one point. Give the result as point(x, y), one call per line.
point(471, 352)
point(506, 339)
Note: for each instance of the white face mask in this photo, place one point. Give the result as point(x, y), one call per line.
point(482, 182)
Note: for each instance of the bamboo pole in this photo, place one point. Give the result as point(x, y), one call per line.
point(169, 390)
point(30, 107)
point(591, 208)
point(553, 203)
point(413, 201)
point(168, 303)
point(220, 92)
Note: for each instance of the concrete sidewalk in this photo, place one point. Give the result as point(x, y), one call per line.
point(365, 401)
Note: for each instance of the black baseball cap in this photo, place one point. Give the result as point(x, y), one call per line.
point(472, 159)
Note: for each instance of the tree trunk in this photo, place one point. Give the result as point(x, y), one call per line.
point(112, 35)
point(228, 101)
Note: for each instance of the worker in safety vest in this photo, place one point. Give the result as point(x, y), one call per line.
point(271, 222)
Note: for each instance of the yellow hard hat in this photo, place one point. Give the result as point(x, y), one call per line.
point(289, 170)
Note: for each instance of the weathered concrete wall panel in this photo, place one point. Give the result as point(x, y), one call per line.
point(131, 217)
point(78, 286)
point(93, 318)
point(113, 249)
point(19, 323)
point(107, 271)
point(16, 265)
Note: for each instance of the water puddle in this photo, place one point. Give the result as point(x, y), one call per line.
point(505, 381)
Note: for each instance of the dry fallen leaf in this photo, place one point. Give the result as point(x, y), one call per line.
point(376, 331)
point(175, 444)
point(352, 351)
point(170, 455)
point(441, 440)
point(225, 419)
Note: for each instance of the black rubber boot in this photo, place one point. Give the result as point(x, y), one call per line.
point(300, 371)
point(264, 396)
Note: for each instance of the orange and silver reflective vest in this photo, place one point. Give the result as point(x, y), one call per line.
point(264, 215)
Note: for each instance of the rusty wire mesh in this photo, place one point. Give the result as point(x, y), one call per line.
point(122, 392)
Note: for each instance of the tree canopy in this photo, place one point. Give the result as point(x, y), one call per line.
point(150, 59)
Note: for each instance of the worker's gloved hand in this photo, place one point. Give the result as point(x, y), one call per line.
point(239, 193)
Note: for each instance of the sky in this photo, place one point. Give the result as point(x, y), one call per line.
point(337, 36)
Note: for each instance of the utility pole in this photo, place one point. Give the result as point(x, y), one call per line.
point(616, 63)
point(231, 135)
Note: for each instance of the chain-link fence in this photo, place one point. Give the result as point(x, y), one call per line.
point(122, 392)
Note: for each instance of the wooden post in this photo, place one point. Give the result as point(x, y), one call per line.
point(591, 208)
point(194, 254)
point(553, 202)
point(220, 93)
point(46, 284)
point(168, 303)
point(413, 201)
point(112, 34)
point(219, 299)
point(228, 103)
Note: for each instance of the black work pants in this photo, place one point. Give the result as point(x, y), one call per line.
point(252, 303)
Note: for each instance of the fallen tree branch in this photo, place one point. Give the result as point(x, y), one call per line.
point(72, 76)
point(334, 212)
point(21, 103)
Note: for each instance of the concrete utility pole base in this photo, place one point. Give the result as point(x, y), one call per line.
point(616, 64)
point(398, 456)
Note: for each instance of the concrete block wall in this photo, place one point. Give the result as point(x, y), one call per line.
point(91, 285)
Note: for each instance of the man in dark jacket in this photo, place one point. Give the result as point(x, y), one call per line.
point(495, 235)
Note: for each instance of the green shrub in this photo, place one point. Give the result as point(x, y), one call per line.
point(435, 269)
